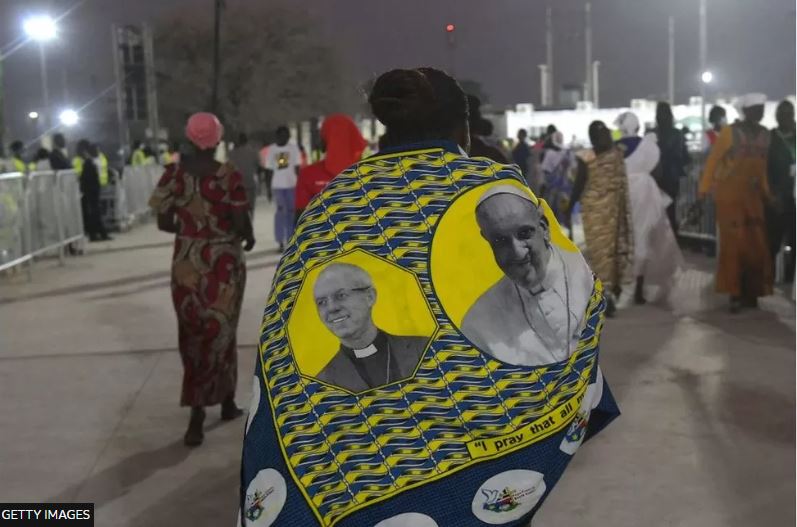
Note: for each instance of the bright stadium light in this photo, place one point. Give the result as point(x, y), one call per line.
point(33, 115)
point(707, 77)
point(40, 28)
point(69, 117)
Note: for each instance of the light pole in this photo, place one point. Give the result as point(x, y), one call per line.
point(42, 28)
point(706, 76)
point(214, 97)
point(588, 51)
point(671, 60)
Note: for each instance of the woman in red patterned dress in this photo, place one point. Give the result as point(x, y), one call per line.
point(204, 203)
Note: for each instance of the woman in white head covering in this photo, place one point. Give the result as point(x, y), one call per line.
point(656, 253)
point(736, 175)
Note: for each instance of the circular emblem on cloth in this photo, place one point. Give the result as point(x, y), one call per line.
point(507, 496)
point(265, 498)
point(254, 404)
point(408, 519)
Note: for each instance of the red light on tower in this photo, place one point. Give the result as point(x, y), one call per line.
point(450, 28)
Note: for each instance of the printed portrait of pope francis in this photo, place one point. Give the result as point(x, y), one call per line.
point(535, 313)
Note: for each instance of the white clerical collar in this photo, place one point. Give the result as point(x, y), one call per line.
point(365, 352)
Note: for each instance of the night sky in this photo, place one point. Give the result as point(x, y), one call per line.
point(499, 43)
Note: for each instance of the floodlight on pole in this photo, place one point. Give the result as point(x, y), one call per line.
point(40, 28)
point(69, 117)
point(707, 77)
point(33, 115)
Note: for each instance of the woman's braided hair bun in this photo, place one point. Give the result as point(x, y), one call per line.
point(417, 100)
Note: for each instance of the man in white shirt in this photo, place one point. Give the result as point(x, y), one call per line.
point(534, 315)
point(282, 163)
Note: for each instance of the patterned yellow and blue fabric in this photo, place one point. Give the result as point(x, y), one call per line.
point(412, 372)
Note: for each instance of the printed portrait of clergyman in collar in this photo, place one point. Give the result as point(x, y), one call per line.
point(368, 357)
point(535, 313)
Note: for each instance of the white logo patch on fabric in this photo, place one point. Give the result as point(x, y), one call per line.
point(578, 427)
point(254, 404)
point(408, 519)
point(508, 496)
point(265, 498)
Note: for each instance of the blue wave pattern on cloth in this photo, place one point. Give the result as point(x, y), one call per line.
point(345, 451)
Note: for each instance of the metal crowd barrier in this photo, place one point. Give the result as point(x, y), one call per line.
point(12, 220)
point(695, 217)
point(131, 194)
point(40, 214)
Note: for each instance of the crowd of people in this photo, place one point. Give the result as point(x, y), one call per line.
point(624, 189)
point(91, 165)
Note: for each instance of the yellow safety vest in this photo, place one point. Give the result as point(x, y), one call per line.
point(103, 170)
point(19, 165)
point(139, 158)
point(77, 164)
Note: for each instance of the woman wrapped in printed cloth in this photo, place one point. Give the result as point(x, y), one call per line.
point(602, 188)
point(326, 448)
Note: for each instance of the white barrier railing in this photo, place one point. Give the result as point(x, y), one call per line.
point(13, 212)
point(39, 213)
point(132, 195)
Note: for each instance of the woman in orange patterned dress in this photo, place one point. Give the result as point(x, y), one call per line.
point(736, 175)
point(204, 204)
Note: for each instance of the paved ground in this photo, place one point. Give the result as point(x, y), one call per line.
point(89, 386)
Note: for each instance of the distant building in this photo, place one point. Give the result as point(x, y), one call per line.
point(569, 95)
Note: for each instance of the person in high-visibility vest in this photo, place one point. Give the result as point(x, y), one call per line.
point(17, 163)
point(90, 192)
point(138, 157)
point(102, 164)
point(77, 164)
